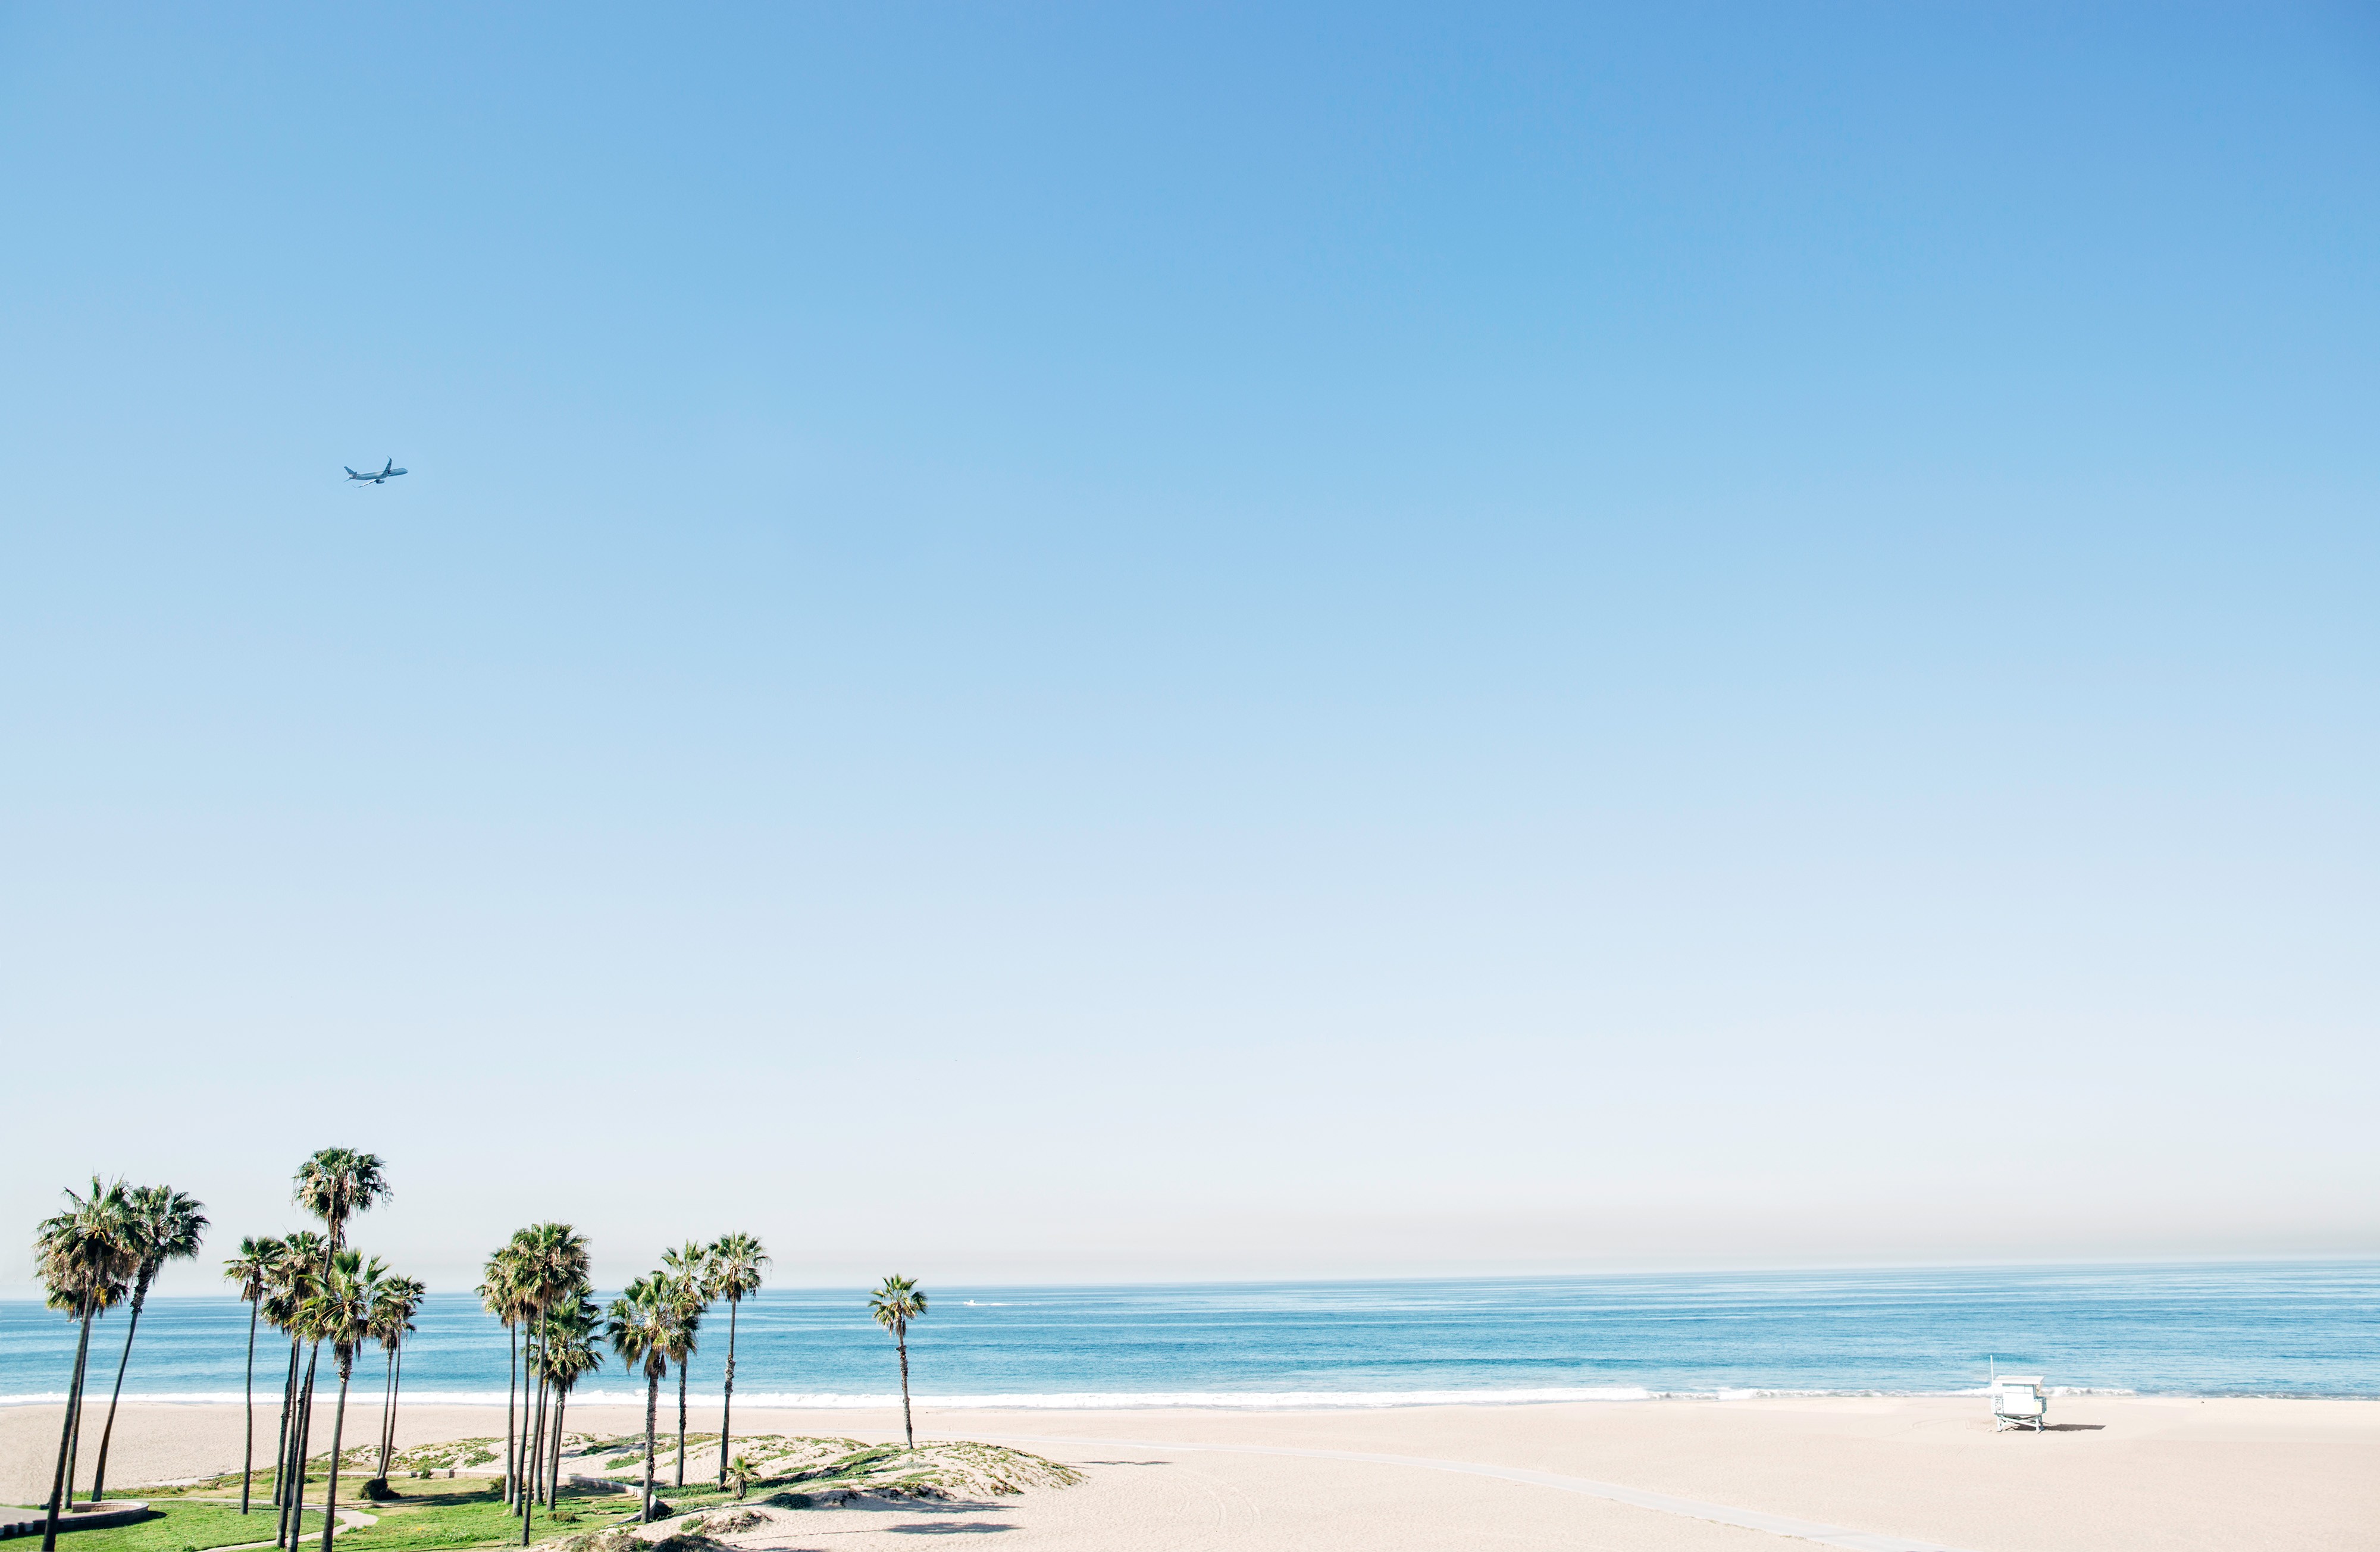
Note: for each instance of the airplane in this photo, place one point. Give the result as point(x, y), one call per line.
point(383, 478)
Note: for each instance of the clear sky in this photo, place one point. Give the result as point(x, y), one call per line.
point(1142, 642)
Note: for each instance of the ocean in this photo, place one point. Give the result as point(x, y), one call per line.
point(2255, 1329)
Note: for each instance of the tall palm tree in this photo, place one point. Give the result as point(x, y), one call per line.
point(642, 1325)
point(298, 1280)
point(334, 1184)
point(337, 1184)
point(894, 1304)
point(553, 1269)
point(293, 1277)
point(340, 1313)
point(687, 1270)
point(84, 1257)
point(736, 1263)
point(392, 1317)
point(171, 1224)
point(252, 1270)
point(502, 1294)
point(570, 1354)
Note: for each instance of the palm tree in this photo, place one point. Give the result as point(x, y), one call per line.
point(570, 1354)
point(337, 1184)
point(284, 1293)
point(334, 1184)
point(736, 1263)
point(340, 1313)
point(501, 1292)
point(84, 1254)
point(553, 1267)
point(392, 1317)
point(171, 1224)
point(293, 1278)
point(643, 1326)
point(896, 1304)
point(252, 1270)
point(688, 1272)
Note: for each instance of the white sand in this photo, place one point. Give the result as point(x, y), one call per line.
point(2119, 1473)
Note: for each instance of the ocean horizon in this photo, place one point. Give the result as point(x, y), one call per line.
point(2299, 1328)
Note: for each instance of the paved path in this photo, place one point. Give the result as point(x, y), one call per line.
point(1662, 1503)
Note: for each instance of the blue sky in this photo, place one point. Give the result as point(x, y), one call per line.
point(1058, 642)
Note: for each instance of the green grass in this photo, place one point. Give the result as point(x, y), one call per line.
point(185, 1524)
point(425, 1514)
point(438, 1513)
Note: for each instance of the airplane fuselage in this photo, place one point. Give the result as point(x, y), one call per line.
point(377, 476)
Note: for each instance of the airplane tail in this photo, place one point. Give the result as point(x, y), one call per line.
point(351, 473)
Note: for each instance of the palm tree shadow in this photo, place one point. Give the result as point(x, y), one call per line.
point(2073, 1428)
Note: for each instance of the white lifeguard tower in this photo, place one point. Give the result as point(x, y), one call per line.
point(2019, 1402)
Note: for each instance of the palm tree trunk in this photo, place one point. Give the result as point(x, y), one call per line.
point(74, 1433)
point(387, 1400)
point(554, 1477)
point(727, 1394)
point(397, 1389)
point(544, 1389)
point(331, 1488)
point(512, 1381)
point(247, 1450)
point(388, 1419)
point(302, 1434)
point(544, 1441)
point(652, 1404)
point(61, 1485)
point(536, 1466)
point(293, 1471)
point(681, 1422)
point(529, 1383)
point(281, 1444)
point(98, 1471)
point(536, 1431)
point(901, 1341)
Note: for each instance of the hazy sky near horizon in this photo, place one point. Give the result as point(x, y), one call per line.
point(1050, 643)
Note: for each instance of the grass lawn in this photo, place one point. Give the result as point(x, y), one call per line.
point(439, 1513)
point(185, 1524)
point(433, 1513)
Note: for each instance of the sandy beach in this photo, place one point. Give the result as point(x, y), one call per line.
point(2128, 1472)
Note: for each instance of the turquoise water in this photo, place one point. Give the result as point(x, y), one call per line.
point(2309, 1330)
